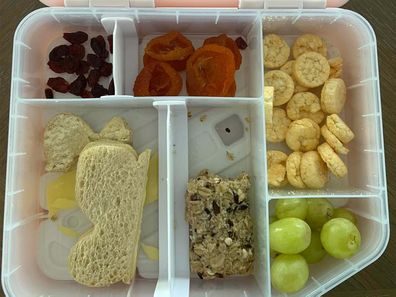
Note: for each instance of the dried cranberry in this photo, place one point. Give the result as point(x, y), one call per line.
point(49, 94)
point(106, 69)
point(94, 61)
point(77, 50)
point(77, 87)
point(93, 77)
point(83, 68)
point(86, 94)
point(57, 67)
point(99, 91)
point(98, 45)
point(59, 84)
point(110, 40)
point(241, 43)
point(111, 87)
point(71, 64)
point(78, 37)
point(58, 53)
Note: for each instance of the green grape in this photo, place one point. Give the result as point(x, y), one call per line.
point(289, 273)
point(289, 236)
point(291, 208)
point(319, 212)
point(346, 214)
point(340, 238)
point(315, 252)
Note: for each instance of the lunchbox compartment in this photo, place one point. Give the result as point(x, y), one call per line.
point(356, 45)
point(329, 272)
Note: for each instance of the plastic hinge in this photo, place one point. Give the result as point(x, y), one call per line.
point(277, 4)
point(110, 3)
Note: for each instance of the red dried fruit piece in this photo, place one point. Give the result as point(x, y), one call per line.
point(57, 67)
point(78, 37)
point(110, 40)
point(83, 68)
point(111, 87)
point(93, 77)
point(77, 50)
point(94, 61)
point(86, 94)
point(49, 94)
point(99, 91)
point(106, 69)
point(58, 84)
point(58, 53)
point(241, 43)
point(71, 64)
point(98, 45)
point(77, 87)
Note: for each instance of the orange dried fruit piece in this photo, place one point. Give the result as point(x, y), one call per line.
point(229, 43)
point(158, 79)
point(210, 71)
point(173, 48)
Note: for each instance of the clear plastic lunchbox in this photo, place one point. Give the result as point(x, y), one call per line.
point(183, 131)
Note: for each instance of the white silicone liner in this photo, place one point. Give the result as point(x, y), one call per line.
point(366, 186)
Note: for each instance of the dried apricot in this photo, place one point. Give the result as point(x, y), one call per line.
point(228, 42)
point(177, 65)
point(210, 71)
point(158, 79)
point(171, 47)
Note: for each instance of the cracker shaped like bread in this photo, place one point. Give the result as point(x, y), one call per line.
point(110, 189)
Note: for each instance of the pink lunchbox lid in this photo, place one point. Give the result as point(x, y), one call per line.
point(193, 3)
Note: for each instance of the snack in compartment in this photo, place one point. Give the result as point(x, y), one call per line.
point(333, 161)
point(276, 132)
point(288, 68)
point(311, 70)
point(303, 135)
point(336, 67)
point(117, 129)
point(229, 43)
point(333, 95)
point(221, 229)
point(111, 190)
point(333, 141)
point(338, 127)
point(172, 48)
point(276, 164)
point(268, 104)
point(309, 43)
point(283, 86)
point(70, 59)
point(211, 71)
point(158, 79)
point(65, 136)
point(305, 105)
point(276, 51)
point(293, 172)
point(313, 170)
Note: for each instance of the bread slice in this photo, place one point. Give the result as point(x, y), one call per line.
point(117, 129)
point(110, 189)
point(64, 138)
